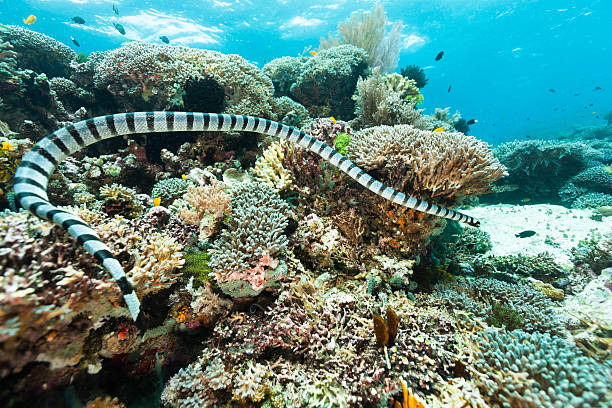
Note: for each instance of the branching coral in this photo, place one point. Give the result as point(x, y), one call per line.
point(496, 301)
point(253, 239)
point(269, 167)
point(385, 100)
point(170, 189)
point(441, 165)
point(37, 51)
point(156, 76)
point(367, 30)
point(120, 200)
point(537, 370)
point(328, 81)
point(206, 206)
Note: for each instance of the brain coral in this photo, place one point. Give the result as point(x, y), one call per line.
point(37, 51)
point(447, 166)
point(162, 76)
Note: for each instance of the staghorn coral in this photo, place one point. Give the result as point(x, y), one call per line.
point(367, 30)
point(537, 370)
point(205, 206)
point(37, 51)
point(482, 296)
point(253, 238)
point(328, 81)
point(380, 101)
point(445, 166)
point(163, 76)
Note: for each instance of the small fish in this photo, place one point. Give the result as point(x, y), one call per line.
point(313, 53)
point(593, 113)
point(30, 20)
point(438, 130)
point(78, 20)
point(472, 122)
point(527, 136)
point(555, 108)
point(164, 39)
point(115, 9)
point(526, 200)
point(184, 177)
point(75, 41)
point(597, 88)
point(332, 119)
point(119, 28)
point(156, 201)
point(576, 94)
point(439, 56)
point(590, 104)
point(552, 90)
point(7, 146)
point(449, 88)
point(525, 234)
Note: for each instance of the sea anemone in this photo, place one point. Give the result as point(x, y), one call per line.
point(416, 73)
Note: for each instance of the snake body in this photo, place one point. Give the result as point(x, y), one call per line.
point(37, 166)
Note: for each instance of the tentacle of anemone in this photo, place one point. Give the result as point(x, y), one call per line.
point(37, 166)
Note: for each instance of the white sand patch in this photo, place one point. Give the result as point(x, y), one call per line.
point(564, 227)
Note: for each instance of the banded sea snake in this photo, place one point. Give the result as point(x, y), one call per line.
point(37, 166)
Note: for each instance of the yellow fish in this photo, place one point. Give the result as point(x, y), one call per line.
point(184, 177)
point(332, 119)
point(156, 201)
point(313, 53)
point(30, 20)
point(439, 130)
point(7, 146)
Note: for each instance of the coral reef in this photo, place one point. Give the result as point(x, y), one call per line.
point(158, 77)
point(253, 240)
point(384, 100)
point(522, 369)
point(441, 165)
point(415, 73)
point(327, 81)
point(284, 72)
point(368, 31)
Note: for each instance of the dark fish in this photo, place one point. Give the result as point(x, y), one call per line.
point(119, 28)
point(556, 109)
point(590, 104)
point(552, 90)
point(439, 56)
point(527, 136)
point(471, 122)
point(164, 39)
point(576, 94)
point(597, 88)
point(449, 88)
point(525, 234)
point(78, 20)
point(75, 41)
point(115, 9)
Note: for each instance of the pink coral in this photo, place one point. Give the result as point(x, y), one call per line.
point(256, 276)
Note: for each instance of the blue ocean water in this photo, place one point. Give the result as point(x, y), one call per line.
point(501, 58)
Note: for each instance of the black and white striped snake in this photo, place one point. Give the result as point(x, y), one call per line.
point(38, 165)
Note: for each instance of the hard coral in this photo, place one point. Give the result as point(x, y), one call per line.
point(253, 239)
point(445, 166)
point(37, 51)
point(328, 81)
point(537, 370)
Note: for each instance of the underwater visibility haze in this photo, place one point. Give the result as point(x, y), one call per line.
point(242, 203)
